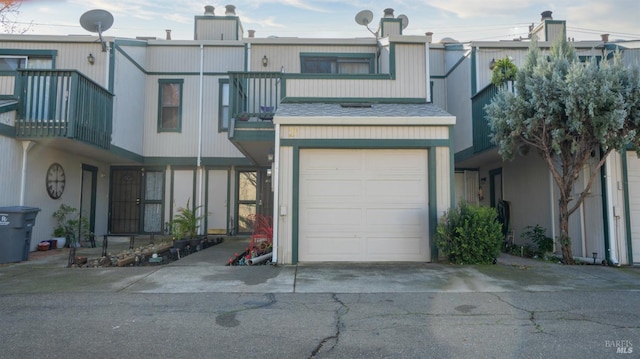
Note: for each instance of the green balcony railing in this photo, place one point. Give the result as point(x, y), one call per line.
point(481, 129)
point(254, 94)
point(63, 103)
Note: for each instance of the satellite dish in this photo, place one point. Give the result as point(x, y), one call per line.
point(405, 21)
point(364, 17)
point(97, 21)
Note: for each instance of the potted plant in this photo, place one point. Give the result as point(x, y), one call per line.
point(70, 226)
point(184, 226)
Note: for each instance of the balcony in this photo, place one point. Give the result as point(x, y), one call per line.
point(63, 104)
point(254, 95)
point(481, 129)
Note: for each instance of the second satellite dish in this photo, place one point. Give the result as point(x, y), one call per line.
point(97, 21)
point(405, 21)
point(364, 17)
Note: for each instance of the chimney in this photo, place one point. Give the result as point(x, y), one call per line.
point(252, 33)
point(605, 37)
point(388, 13)
point(209, 10)
point(230, 10)
point(429, 36)
point(168, 34)
point(546, 15)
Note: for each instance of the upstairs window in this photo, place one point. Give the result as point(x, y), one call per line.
point(223, 106)
point(313, 63)
point(170, 105)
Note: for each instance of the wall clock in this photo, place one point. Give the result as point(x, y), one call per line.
point(55, 181)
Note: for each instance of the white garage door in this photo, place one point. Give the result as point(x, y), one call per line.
point(633, 177)
point(363, 205)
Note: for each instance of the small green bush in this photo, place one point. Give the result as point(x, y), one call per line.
point(470, 234)
point(538, 235)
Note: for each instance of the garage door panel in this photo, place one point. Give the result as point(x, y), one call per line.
point(399, 217)
point(407, 189)
point(318, 189)
point(394, 246)
point(332, 245)
point(370, 205)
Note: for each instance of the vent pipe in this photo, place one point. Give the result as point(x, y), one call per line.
point(252, 33)
point(230, 10)
point(168, 34)
point(546, 15)
point(388, 13)
point(605, 37)
point(209, 10)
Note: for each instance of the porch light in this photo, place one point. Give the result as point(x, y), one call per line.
point(265, 61)
point(91, 59)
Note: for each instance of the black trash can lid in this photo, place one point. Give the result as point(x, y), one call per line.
point(18, 209)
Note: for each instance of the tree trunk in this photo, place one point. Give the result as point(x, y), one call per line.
point(565, 240)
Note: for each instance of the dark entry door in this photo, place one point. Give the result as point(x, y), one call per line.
point(124, 215)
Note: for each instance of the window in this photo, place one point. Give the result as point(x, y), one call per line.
point(223, 107)
point(12, 63)
point(337, 64)
point(170, 105)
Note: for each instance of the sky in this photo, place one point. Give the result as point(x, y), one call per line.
point(462, 20)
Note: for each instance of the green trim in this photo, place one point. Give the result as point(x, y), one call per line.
point(312, 76)
point(433, 202)
point(465, 154)
point(428, 145)
point(392, 60)
point(121, 152)
point(8, 131)
point(336, 56)
point(173, 161)
point(452, 169)
point(221, 127)
point(225, 161)
point(253, 136)
point(30, 53)
point(10, 107)
point(112, 69)
point(130, 42)
point(455, 66)
point(627, 205)
point(364, 143)
point(474, 83)
point(131, 59)
point(398, 100)
point(162, 82)
point(94, 186)
point(492, 186)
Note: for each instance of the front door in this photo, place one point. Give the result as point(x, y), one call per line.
point(136, 201)
point(124, 209)
point(88, 196)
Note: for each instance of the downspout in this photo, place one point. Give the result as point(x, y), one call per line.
point(26, 147)
point(200, 170)
point(275, 177)
point(107, 61)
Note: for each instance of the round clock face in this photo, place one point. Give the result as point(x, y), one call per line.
point(55, 181)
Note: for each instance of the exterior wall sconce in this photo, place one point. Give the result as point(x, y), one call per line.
point(492, 64)
point(265, 61)
point(91, 59)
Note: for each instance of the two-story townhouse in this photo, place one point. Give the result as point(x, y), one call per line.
point(607, 225)
point(337, 139)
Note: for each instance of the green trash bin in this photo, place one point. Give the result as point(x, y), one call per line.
point(16, 225)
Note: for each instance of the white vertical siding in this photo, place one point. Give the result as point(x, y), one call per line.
point(10, 171)
point(128, 105)
point(369, 132)
point(39, 158)
point(443, 179)
point(285, 201)
point(7, 85)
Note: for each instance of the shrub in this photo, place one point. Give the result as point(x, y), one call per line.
point(538, 235)
point(470, 234)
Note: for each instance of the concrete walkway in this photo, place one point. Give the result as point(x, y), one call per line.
point(206, 272)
